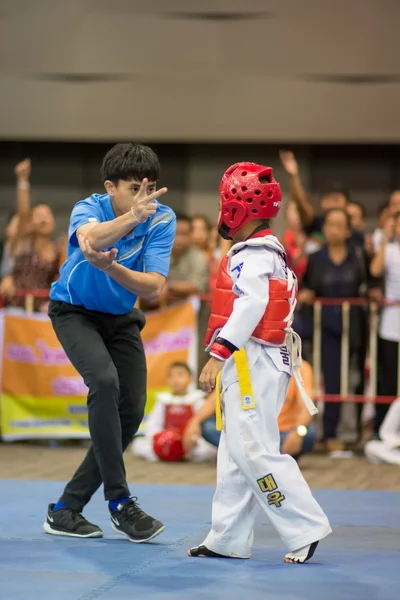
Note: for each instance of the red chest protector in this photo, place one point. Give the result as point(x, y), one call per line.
point(177, 417)
point(271, 329)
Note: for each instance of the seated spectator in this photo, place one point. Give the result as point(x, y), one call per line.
point(34, 257)
point(388, 449)
point(386, 263)
point(166, 423)
point(337, 271)
point(297, 432)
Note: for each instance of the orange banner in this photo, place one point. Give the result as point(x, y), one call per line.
point(41, 393)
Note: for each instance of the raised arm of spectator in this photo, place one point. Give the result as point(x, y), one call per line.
point(377, 266)
point(23, 174)
point(297, 192)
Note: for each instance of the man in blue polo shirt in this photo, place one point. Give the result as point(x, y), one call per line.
point(119, 248)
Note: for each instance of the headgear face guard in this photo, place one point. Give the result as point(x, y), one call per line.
point(248, 191)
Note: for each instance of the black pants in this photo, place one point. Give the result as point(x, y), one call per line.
point(107, 351)
point(387, 377)
point(331, 368)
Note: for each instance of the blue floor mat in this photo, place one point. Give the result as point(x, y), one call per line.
point(360, 560)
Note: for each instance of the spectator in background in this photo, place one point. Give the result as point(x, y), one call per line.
point(294, 241)
point(188, 275)
point(356, 212)
point(33, 255)
point(378, 234)
point(387, 450)
point(336, 271)
point(394, 203)
point(201, 234)
point(333, 197)
point(219, 248)
point(166, 424)
point(386, 263)
point(6, 266)
point(297, 432)
point(393, 207)
point(62, 248)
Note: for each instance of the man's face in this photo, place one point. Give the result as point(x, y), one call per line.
point(123, 194)
point(333, 200)
point(182, 237)
point(394, 203)
point(356, 216)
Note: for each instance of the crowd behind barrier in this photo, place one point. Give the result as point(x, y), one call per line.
point(348, 312)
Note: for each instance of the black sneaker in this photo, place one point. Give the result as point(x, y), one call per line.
point(71, 523)
point(130, 520)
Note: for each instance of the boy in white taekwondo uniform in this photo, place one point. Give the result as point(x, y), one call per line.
point(253, 352)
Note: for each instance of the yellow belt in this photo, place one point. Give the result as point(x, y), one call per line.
point(245, 387)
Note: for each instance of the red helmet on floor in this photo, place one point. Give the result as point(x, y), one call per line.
point(168, 446)
point(248, 191)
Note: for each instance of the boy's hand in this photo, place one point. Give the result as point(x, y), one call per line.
point(209, 374)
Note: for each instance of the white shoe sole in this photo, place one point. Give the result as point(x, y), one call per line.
point(155, 534)
point(48, 529)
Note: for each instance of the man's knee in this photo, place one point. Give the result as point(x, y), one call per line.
point(104, 384)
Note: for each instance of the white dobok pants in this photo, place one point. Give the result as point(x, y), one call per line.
point(251, 471)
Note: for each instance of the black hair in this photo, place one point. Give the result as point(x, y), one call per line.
point(384, 206)
point(361, 207)
point(205, 220)
point(335, 188)
point(130, 161)
point(181, 365)
point(183, 217)
point(341, 210)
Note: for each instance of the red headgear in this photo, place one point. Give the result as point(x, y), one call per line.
point(167, 445)
point(248, 191)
